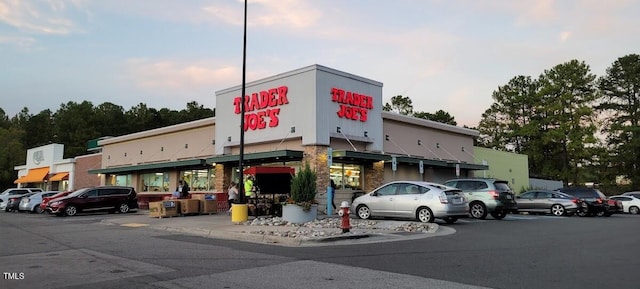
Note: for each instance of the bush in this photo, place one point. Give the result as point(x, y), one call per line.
point(303, 187)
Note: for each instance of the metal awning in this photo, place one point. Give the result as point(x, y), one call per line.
point(142, 167)
point(259, 158)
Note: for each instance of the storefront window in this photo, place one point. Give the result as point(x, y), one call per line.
point(199, 180)
point(155, 182)
point(347, 176)
point(118, 180)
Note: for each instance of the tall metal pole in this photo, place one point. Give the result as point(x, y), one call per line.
point(242, 108)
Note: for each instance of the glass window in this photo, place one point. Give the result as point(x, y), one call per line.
point(388, 190)
point(411, 189)
point(119, 180)
point(347, 176)
point(155, 182)
point(528, 195)
point(199, 180)
point(543, 195)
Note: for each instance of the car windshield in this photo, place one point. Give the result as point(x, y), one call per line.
point(78, 192)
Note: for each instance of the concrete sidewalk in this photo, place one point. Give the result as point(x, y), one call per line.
point(219, 226)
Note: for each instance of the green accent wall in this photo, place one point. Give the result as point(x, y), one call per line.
point(507, 166)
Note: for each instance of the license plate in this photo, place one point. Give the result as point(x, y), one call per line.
point(457, 200)
point(509, 197)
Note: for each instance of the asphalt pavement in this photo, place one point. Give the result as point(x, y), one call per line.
point(220, 226)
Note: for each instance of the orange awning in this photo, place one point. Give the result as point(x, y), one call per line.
point(33, 176)
point(59, 177)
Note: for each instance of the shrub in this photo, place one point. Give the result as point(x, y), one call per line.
point(303, 187)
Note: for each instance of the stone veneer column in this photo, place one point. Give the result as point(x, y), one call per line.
point(317, 158)
point(223, 178)
point(373, 175)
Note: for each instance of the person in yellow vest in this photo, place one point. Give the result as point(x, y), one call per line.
point(249, 187)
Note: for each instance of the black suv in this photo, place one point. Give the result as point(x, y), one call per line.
point(592, 202)
point(105, 198)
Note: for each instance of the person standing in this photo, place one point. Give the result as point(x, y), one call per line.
point(331, 191)
point(249, 187)
point(233, 194)
point(183, 188)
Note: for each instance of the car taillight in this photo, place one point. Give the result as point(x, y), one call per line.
point(13, 199)
point(443, 198)
point(495, 194)
point(575, 201)
point(599, 201)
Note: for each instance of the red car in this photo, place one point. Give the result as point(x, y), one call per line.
point(46, 200)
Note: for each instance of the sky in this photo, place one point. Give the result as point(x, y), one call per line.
point(443, 54)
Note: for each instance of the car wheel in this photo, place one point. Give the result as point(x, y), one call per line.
point(450, 220)
point(558, 210)
point(70, 210)
point(124, 208)
point(425, 215)
point(583, 211)
point(363, 212)
point(499, 215)
point(634, 210)
point(478, 210)
point(37, 210)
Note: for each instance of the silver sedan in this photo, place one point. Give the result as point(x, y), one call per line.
point(423, 201)
point(541, 201)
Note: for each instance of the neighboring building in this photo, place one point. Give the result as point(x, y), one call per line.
point(543, 184)
point(46, 169)
point(507, 166)
point(328, 118)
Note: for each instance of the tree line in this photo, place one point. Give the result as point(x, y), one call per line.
point(74, 124)
point(573, 126)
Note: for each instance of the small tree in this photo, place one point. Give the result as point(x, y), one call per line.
point(303, 188)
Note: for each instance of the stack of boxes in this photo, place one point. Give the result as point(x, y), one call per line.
point(199, 204)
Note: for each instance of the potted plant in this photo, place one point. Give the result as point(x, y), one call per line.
point(302, 206)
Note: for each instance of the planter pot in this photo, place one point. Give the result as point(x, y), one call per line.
point(296, 214)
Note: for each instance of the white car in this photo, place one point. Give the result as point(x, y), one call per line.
point(14, 192)
point(630, 204)
point(423, 201)
point(31, 203)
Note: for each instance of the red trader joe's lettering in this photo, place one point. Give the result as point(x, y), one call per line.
point(263, 103)
point(352, 105)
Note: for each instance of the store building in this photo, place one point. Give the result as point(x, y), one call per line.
point(47, 169)
point(328, 118)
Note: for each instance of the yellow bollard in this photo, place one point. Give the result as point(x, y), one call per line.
point(239, 213)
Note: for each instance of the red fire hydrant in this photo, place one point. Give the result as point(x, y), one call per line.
point(344, 216)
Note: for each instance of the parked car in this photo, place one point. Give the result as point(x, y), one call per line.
point(486, 196)
point(13, 204)
point(630, 204)
point(547, 202)
point(593, 202)
point(46, 200)
point(423, 201)
point(31, 203)
point(14, 192)
point(104, 198)
point(634, 193)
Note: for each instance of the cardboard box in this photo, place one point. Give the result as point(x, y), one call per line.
point(166, 208)
point(189, 206)
point(208, 206)
point(154, 209)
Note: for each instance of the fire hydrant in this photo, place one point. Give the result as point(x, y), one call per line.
point(344, 216)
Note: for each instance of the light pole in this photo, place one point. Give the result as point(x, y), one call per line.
point(242, 109)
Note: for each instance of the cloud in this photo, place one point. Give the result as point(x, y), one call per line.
point(175, 75)
point(291, 14)
point(19, 42)
point(37, 17)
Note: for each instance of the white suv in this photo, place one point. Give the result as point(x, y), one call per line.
point(14, 192)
